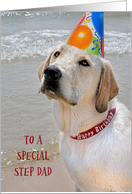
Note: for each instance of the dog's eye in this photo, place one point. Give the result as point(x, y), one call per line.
point(57, 54)
point(84, 63)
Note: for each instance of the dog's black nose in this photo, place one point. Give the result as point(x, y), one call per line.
point(52, 72)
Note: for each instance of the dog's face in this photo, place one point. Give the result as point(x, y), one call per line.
point(71, 75)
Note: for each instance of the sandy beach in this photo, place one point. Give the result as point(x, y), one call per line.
point(58, 181)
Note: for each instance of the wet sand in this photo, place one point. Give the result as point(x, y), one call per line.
point(58, 181)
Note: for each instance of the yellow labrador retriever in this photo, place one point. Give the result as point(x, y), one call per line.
point(94, 128)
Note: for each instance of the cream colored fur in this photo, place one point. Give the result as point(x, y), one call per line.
point(101, 163)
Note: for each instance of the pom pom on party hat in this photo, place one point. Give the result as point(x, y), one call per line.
point(89, 34)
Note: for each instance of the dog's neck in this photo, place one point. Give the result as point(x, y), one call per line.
point(75, 119)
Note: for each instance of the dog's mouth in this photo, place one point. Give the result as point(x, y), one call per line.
point(49, 92)
point(53, 94)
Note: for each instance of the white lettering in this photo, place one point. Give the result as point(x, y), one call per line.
point(101, 127)
point(79, 137)
point(91, 133)
point(104, 124)
point(88, 134)
point(85, 135)
point(111, 114)
point(97, 130)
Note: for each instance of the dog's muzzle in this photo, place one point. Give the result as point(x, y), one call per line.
point(50, 87)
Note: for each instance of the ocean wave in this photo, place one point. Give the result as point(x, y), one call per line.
point(33, 14)
point(29, 44)
point(117, 42)
point(39, 43)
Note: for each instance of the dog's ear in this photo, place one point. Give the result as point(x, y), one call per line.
point(107, 87)
point(43, 66)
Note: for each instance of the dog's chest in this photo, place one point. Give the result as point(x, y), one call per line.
point(90, 165)
point(82, 164)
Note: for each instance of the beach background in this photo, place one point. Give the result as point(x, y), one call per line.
point(27, 38)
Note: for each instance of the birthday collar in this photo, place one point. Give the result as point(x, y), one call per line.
point(96, 129)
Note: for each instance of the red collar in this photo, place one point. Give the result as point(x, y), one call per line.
point(96, 129)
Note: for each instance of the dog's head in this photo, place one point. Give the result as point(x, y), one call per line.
point(71, 75)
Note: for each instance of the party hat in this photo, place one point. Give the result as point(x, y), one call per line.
point(89, 34)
